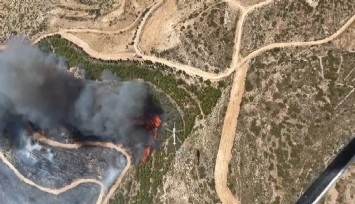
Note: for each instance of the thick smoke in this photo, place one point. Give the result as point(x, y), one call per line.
point(39, 88)
point(108, 110)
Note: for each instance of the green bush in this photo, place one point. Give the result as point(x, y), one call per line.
point(208, 96)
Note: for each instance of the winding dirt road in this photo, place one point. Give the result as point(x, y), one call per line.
point(101, 198)
point(188, 69)
point(224, 154)
point(239, 32)
point(129, 27)
point(297, 44)
point(93, 53)
point(141, 26)
point(240, 66)
point(50, 190)
point(117, 148)
point(230, 121)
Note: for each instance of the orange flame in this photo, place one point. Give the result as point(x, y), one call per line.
point(152, 124)
point(146, 154)
point(156, 123)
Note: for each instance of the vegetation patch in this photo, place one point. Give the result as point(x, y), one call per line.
point(207, 37)
point(294, 116)
point(208, 96)
point(146, 177)
point(290, 20)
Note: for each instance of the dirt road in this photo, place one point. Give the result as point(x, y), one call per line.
point(230, 121)
point(189, 69)
point(124, 56)
point(92, 53)
point(140, 27)
point(238, 65)
point(239, 31)
point(102, 199)
point(117, 148)
point(295, 44)
point(224, 154)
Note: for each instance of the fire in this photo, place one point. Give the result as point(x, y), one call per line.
point(146, 154)
point(154, 125)
point(154, 122)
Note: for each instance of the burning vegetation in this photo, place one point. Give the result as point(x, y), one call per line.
point(37, 89)
point(147, 153)
point(152, 125)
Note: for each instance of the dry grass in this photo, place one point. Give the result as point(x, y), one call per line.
point(158, 32)
point(36, 17)
point(109, 43)
point(292, 121)
point(200, 34)
point(344, 190)
point(19, 17)
point(346, 40)
point(249, 2)
point(112, 15)
point(292, 20)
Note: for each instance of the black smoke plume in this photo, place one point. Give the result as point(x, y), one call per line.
point(38, 88)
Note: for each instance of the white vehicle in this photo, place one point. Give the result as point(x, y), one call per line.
point(174, 135)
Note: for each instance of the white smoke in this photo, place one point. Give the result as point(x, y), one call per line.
point(113, 172)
